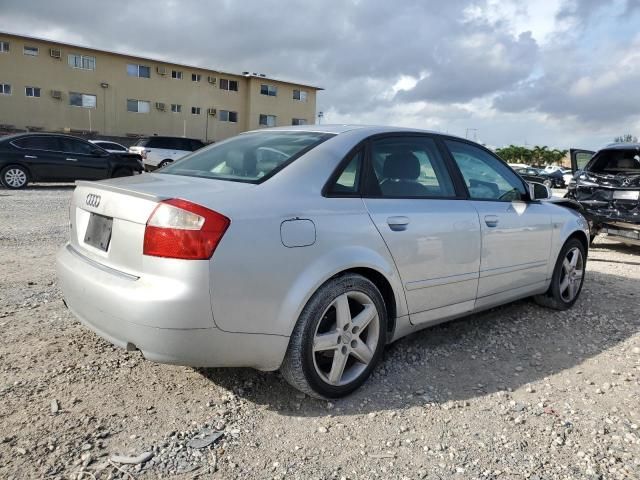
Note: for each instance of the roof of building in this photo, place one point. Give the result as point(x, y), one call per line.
point(158, 60)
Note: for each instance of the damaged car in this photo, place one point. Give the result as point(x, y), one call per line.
point(607, 186)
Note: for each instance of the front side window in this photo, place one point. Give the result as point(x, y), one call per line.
point(486, 177)
point(177, 74)
point(269, 90)
point(251, 157)
point(83, 100)
point(176, 108)
point(267, 120)
point(300, 95)
point(5, 89)
point(32, 91)
point(32, 51)
point(135, 70)
point(138, 106)
point(72, 145)
point(4, 47)
point(195, 110)
point(83, 62)
point(227, 116)
point(409, 167)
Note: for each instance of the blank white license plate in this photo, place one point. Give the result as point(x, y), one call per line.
point(626, 194)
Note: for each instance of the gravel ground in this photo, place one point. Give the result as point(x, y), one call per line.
point(518, 392)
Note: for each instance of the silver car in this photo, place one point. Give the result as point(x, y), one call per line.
point(309, 249)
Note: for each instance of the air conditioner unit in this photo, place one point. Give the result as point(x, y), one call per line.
point(212, 80)
point(161, 70)
point(55, 53)
point(56, 94)
point(160, 106)
point(212, 112)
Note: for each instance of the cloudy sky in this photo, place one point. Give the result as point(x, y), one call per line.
point(553, 72)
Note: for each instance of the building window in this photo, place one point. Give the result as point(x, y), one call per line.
point(142, 71)
point(4, 47)
point(300, 95)
point(270, 90)
point(227, 116)
point(84, 62)
point(83, 100)
point(177, 74)
point(5, 89)
point(298, 121)
point(195, 110)
point(226, 84)
point(138, 106)
point(32, 91)
point(195, 77)
point(267, 120)
point(33, 51)
point(176, 108)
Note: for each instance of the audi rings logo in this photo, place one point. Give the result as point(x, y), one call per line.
point(93, 200)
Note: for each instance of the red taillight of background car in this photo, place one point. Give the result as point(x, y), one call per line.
point(181, 229)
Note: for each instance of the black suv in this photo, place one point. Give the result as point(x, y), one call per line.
point(48, 157)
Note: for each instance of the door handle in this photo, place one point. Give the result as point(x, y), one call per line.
point(398, 223)
point(30, 156)
point(72, 159)
point(491, 220)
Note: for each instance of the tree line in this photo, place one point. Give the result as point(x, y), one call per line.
point(538, 155)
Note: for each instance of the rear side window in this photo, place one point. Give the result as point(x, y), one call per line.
point(409, 167)
point(38, 143)
point(349, 178)
point(250, 158)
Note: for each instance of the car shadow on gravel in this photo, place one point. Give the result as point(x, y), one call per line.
point(502, 349)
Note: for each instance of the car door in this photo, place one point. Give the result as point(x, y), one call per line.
point(433, 234)
point(579, 158)
point(516, 232)
point(42, 155)
point(84, 160)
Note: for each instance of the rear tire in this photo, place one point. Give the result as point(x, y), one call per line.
point(14, 177)
point(122, 172)
point(338, 339)
point(568, 277)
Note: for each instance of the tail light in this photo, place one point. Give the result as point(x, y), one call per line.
point(181, 229)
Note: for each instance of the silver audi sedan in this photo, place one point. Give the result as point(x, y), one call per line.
point(308, 249)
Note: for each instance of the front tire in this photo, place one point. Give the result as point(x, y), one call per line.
point(568, 277)
point(338, 338)
point(164, 163)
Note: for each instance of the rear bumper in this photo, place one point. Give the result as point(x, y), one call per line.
point(98, 297)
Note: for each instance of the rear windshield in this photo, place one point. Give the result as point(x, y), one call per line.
point(616, 161)
point(251, 157)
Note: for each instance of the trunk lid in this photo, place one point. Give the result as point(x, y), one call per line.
point(123, 206)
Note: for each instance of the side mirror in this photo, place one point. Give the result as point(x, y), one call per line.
point(538, 191)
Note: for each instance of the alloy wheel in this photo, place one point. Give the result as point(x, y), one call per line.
point(571, 274)
point(345, 339)
point(15, 178)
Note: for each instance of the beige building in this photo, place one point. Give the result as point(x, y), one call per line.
point(53, 86)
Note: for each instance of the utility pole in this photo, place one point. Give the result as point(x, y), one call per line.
point(475, 133)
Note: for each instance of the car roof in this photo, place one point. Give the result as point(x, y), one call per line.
point(622, 146)
point(37, 134)
point(342, 128)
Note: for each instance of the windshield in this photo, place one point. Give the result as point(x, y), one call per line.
point(251, 157)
